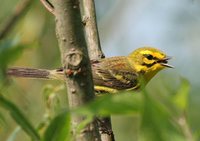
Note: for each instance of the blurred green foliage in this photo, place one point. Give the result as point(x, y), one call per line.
point(165, 110)
point(157, 120)
point(9, 51)
point(59, 128)
point(19, 118)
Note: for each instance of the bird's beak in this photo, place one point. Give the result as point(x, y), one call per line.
point(164, 62)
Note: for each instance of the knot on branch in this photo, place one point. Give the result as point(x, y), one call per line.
point(73, 62)
point(74, 58)
point(85, 20)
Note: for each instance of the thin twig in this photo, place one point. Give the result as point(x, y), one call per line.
point(19, 10)
point(56, 74)
point(49, 6)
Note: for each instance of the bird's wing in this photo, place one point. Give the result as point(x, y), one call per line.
point(115, 73)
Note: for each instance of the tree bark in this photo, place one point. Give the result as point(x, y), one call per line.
point(75, 60)
point(91, 30)
point(95, 53)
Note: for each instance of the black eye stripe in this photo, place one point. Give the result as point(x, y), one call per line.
point(150, 57)
point(149, 65)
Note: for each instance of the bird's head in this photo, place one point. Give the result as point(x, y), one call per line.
point(149, 61)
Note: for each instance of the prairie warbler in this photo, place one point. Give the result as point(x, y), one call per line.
point(112, 74)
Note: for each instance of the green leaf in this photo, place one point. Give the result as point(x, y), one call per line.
point(2, 119)
point(83, 124)
point(19, 118)
point(181, 97)
point(9, 52)
point(112, 104)
point(157, 122)
point(59, 128)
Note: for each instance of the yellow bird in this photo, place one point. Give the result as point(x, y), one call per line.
point(112, 74)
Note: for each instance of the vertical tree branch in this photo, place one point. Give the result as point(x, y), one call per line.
point(76, 62)
point(105, 129)
point(91, 30)
point(95, 53)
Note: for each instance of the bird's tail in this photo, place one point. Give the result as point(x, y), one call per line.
point(36, 73)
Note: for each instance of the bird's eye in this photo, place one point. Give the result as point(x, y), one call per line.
point(149, 56)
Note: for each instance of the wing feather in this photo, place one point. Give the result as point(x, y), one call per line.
point(114, 72)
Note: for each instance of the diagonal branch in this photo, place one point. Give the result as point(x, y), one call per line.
point(19, 10)
point(48, 6)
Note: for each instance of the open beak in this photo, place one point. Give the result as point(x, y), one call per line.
point(164, 62)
